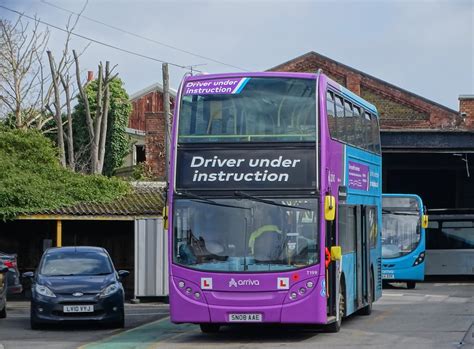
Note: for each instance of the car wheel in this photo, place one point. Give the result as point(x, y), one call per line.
point(411, 285)
point(34, 324)
point(119, 323)
point(209, 328)
point(3, 312)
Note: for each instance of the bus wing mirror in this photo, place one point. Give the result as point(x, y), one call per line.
point(424, 221)
point(329, 207)
point(165, 217)
point(336, 253)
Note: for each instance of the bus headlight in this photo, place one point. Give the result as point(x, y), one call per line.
point(419, 259)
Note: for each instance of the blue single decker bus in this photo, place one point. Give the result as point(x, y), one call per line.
point(403, 238)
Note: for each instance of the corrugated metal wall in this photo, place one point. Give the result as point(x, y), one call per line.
point(151, 258)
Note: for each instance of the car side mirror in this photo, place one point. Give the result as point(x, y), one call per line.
point(123, 274)
point(28, 274)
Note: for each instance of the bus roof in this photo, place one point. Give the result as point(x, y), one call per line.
point(252, 74)
point(347, 93)
point(402, 195)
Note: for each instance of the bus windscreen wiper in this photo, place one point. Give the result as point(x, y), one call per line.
point(269, 202)
point(208, 201)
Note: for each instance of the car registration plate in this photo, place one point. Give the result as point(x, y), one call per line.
point(245, 317)
point(388, 276)
point(78, 309)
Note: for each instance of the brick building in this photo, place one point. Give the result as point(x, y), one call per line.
point(466, 108)
point(424, 143)
point(147, 116)
point(397, 107)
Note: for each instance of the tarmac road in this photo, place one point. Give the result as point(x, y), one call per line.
point(434, 315)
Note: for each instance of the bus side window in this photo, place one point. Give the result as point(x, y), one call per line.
point(375, 133)
point(349, 127)
point(360, 138)
point(331, 112)
point(340, 122)
point(369, 141)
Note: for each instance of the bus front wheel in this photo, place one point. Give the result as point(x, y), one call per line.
point(335, 326)
point(411, 285)
point(209, 328)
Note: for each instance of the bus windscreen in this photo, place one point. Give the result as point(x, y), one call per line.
point(244, 235)
point(401, 226)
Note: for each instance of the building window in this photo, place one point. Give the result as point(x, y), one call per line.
point(139, 154)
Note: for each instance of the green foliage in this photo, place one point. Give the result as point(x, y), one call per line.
point(117, 143)
point(142, 172)
point(9, 121)
point(32, 179)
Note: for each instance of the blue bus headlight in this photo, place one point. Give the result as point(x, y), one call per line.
point(44, 291)
point(419, 259)
point(109, 290)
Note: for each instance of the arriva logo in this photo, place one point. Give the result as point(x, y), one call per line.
point(248, 282)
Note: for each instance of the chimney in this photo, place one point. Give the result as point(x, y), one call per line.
point(466, 109)
point(90, 76)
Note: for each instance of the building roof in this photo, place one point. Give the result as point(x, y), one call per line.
point(144, 201)
point(320, 56)
point(155, 87)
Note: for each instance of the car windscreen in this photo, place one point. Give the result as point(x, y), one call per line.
point(76, 263)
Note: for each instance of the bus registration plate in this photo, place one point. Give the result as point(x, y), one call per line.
point(245, 317)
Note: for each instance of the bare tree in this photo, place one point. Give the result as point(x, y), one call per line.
point(96, 120)
point(22, 81)
point(57, 108)
point(62, 96)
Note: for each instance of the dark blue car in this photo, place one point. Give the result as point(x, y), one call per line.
point(3, 290)
point(77, 284)
point(13, 275)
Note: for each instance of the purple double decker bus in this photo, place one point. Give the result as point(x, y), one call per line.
point(274, 201)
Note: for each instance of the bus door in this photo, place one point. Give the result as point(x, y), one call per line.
point(362, 257)
point(332, 272)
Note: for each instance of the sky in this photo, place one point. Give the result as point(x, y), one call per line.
point(426, 47)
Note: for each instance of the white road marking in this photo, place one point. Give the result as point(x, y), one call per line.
point(142, 314)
